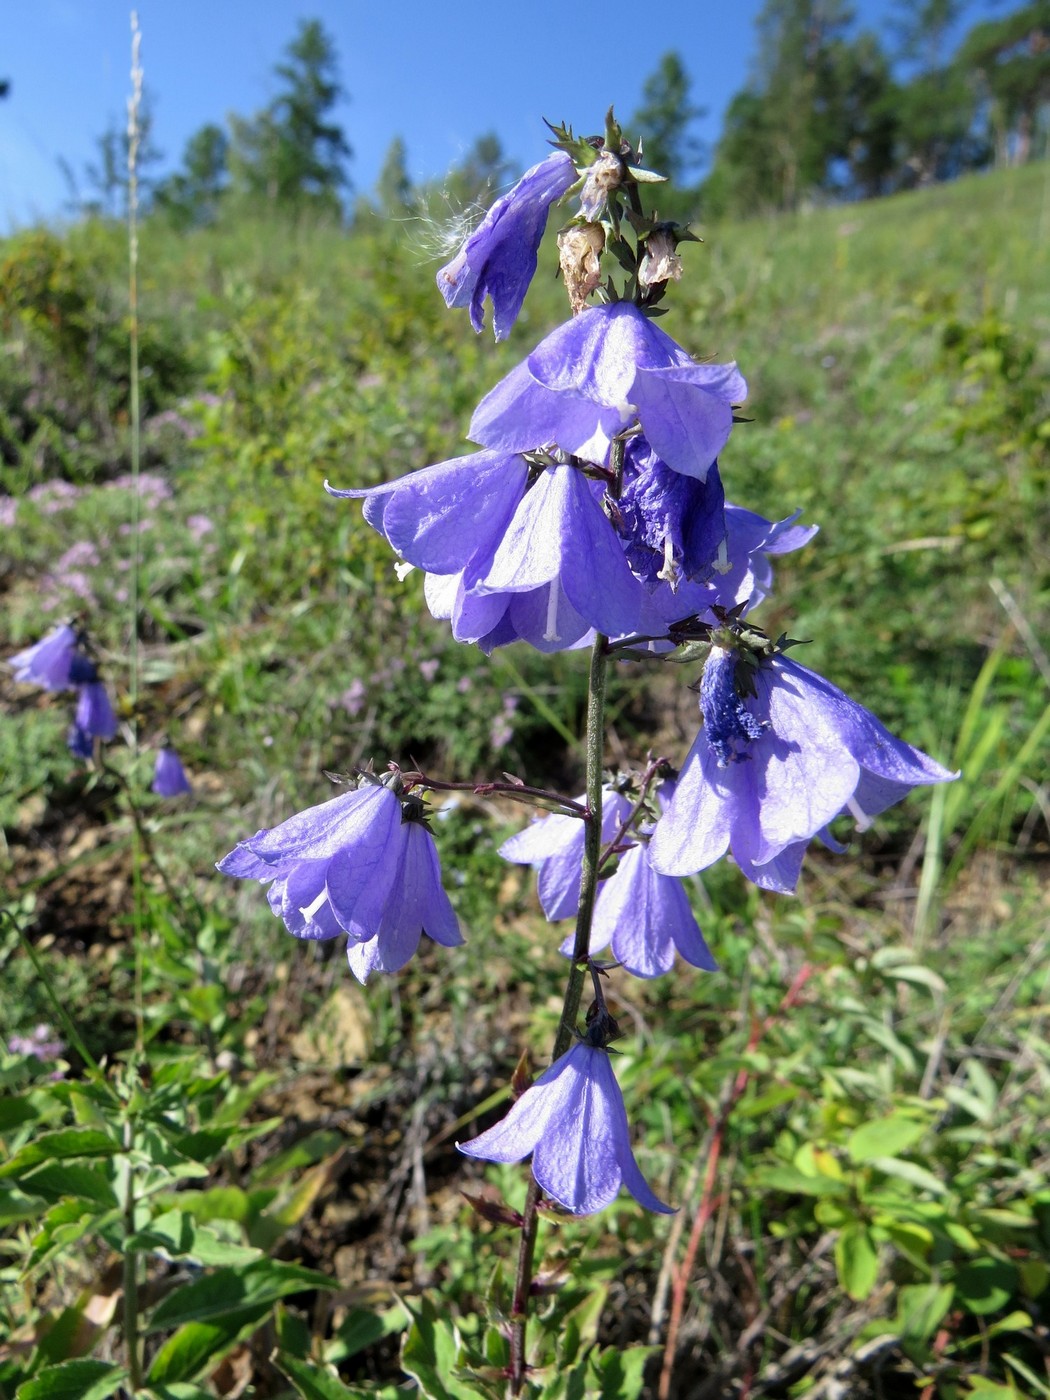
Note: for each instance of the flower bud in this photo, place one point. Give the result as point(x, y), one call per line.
point(579, 252)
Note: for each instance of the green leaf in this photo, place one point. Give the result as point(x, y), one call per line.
point(228, 1290)
point(16, 1111)
point(985, 1285)
point(857, 1261)
point(621, 1374)
point(311, 1381)
point(431, 1353)
point(363, 1328)
point(55, 1180)
point(200, 1346)
point(921, 1308)
point(791, 1179)
point(883, 1137)
point(74, 1380)
point(911, 1172)
point(54, 1147)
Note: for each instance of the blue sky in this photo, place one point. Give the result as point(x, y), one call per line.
point(436, 74)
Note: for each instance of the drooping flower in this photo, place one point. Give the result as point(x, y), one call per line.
point(777, 759)
point(554, 846)
point(645, 918)
point(573, 1122)
point(95, 717)
point(363, 864)
point(169, 776)
point(594, 375)
point(498, 260)
point(536, 531)
point(47, 663)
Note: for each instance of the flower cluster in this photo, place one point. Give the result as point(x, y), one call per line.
point(62, 660)
point(592, 512)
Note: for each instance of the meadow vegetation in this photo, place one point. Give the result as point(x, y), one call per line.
point(243, 1163)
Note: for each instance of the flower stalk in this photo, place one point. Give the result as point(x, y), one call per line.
point(592, 851)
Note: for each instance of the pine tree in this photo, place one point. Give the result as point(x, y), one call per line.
point(291, 154)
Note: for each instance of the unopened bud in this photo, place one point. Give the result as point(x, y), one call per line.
point(580, 251)
point(660, 262)
point(604, 176)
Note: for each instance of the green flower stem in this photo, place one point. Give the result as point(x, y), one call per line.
point(592, 846)
point(132, 1343)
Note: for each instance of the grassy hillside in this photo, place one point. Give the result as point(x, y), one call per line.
point(877, 1134)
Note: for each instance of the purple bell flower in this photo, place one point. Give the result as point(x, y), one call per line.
point(768, 772)
point(47, 662)
point(538, 532)
point(361, 864)
point(645, 918)
point(574, 1123)
point(673, 526)
point(94, 718)
point(554, 845)
point(594, 375)
point(169, 776)
point(498, 260)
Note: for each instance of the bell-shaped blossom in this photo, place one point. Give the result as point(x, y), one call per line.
point(169, 776)
point(595, 375)
point(95, 715)
point(644, 918)
point(673, 526)
point(553, 845)
point(508, 531)
point(359, 865)
point(47, 663)
point(498, 260)
point(770, 769)
point(573, 1122)
point(542, 616)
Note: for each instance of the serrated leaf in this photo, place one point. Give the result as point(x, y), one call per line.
point(74, 1380)
point(58, 1146)
point(55, 1180)
point(15, 1111)
point(228, 1290)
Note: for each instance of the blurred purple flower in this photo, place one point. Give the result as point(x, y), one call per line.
point(42, 1043)
point(47, 663)
point(8, 510)
point(52, 496)
point(574, 1123)
point(169, 776)
point(428, 669)
point(94, 718)
point(498, 260)
point(554, 846)
point(770, 770)
point(594, 375)
point(362, 863)
point(353, 697)
point(199, 526)
point(646, 918)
